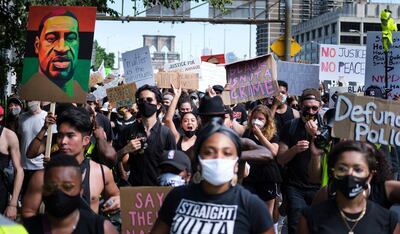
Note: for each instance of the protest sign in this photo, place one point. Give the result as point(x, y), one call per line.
point(369, 119)
point(302, 76)
point(123, 95)
point(375, 72)
point(138, 67)
point(215, 58)
point(139, 208)
point(211, 74)
point(252, 79)
point(192, 66)
point(47, 76)
point(343, 62)
point(184, 80)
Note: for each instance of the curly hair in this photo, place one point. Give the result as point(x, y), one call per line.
point(269, 129)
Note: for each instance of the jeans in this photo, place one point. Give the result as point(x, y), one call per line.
point(297, 199)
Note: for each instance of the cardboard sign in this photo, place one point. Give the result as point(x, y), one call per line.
point(185, 80)
point(375, 71)
point(253, 79)
point(298, 76)
point(369, 119)
point(346, 63)
point(58, 71)
point(138, 67)
point(139, 208)
point(123, 95)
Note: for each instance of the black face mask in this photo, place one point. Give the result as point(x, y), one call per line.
point(189, 134)
point(350, 186)
point(147, 109)
point(307, 116)
point(59, 204)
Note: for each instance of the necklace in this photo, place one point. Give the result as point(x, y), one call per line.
point(355, 221)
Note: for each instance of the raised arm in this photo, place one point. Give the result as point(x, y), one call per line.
point(253, 152)
point(38, 144)
point(169, 116)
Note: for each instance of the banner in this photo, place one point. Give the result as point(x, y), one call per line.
point(342, 62)
point(123, 95)
point(138, 67)
point(375, 72)
point(253, 79)
point(298, 76)
point(185, 80)
point(370, 119)
point(58, 53)
point(139, 208)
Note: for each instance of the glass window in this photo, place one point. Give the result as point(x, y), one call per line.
point(320, 32)
point(350, 40)
point(313, 34)
point(326, 31)
point(333, 28)
point(346, 26)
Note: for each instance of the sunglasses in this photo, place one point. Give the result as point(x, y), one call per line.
point(148, 100)
point(307, 108)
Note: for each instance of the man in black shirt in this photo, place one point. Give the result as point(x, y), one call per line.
point(145, 140)
point(294, 152)
point(280, 110)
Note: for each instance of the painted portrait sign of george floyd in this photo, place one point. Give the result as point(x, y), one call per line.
point(369, 119)
point(139, 208)
point(252, 79)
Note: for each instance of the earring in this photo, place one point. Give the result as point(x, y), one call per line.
point(197, 178)
point(234, 180)
point(367, 192)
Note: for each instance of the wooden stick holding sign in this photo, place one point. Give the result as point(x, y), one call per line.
point(49, 135)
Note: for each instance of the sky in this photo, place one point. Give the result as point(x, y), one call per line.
point(116, 36)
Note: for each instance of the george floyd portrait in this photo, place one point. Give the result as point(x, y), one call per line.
point(58, 53)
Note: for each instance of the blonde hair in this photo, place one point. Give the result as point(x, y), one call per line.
point(269, 128)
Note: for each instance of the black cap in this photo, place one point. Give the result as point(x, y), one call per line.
point(14, 100)
point(90, 97)
point(177, 159)
point(218, 88)
point(211, 106)
point(374, 91)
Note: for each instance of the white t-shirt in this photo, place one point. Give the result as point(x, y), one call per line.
point(29, 127)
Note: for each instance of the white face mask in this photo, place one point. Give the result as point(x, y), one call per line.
point(284, 97)
point(260, 124)
point(16, 111)
point(33, 106)
point(170, 179)
point(217, 171)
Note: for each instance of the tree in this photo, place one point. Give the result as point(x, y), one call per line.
point(101, 55)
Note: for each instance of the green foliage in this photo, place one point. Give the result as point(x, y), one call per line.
point(101, 55)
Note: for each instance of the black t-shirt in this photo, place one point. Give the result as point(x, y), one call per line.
point(261, 173)
point(281, 119)
point(121, 124)
point(88, 223)
point(188, 209)
point(325, 218)
point(105, 123)
point(297, 168)
point(239, 113)
point(144, 163)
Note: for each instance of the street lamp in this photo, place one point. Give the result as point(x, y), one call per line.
point(360, 33)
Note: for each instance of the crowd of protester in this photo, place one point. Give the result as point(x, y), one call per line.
point(256, 167)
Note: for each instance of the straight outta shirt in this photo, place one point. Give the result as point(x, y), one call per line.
point(188, 209)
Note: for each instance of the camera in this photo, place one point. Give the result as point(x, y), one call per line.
point(323, 139)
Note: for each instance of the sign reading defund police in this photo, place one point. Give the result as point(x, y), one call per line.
point(369, 119)
point(253, 79)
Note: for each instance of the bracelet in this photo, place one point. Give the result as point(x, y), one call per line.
point(37, 138)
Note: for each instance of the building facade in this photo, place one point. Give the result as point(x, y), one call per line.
point(347, 25)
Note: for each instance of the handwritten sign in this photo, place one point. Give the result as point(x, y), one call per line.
point(139, 208)
point(137, 67)
point(185, 80)
point(369, 119)
point(252, 79)
point(192, 66)
point(211, 74)
point(346, 63)
point(375, 72)
point(298, 76)
point(123, 95)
